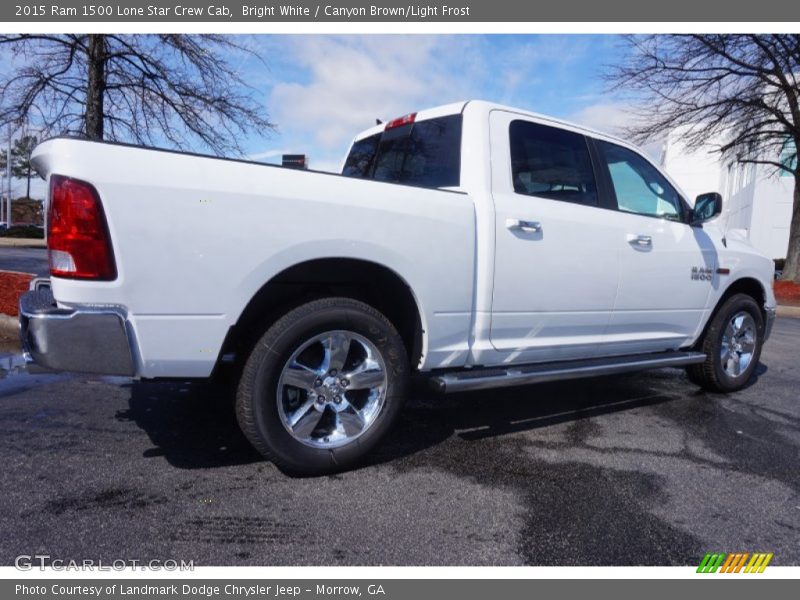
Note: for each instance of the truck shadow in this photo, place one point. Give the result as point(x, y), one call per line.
point(192, 425)
point(477, 416)
point(532, 407)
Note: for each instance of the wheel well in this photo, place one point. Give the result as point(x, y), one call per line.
point(369, 282)
point(746, 285)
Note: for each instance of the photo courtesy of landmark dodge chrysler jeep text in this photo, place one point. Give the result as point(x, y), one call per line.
point(473, 244)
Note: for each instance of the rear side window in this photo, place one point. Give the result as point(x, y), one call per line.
point(551, 163)
point(426, 154)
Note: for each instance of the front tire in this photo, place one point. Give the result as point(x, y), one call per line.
point(322, 386)
point(732, 343)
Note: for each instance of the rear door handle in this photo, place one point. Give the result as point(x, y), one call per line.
point(525, 226)
point(642, 241)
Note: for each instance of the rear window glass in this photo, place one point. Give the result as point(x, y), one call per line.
point(359, 161)
point(426, 154)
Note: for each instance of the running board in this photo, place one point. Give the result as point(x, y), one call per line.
point(486, 378)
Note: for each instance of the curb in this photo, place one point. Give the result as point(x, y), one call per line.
point(9, 325)
point(789, 311)
point(22, 242)
point(12, 285)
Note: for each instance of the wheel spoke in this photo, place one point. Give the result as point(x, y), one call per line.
point(305, 426)
point(725, 356)
point(737, 363)
point(351, 420)
point(744, 360)
point(299, 376)
point(729, 368)
point(337, 347)
point(730, 333)
point(300, 412)
point(367, 375)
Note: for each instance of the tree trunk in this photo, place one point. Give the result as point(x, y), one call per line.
point(791, 270)
point(28, 192)
point(96, 89)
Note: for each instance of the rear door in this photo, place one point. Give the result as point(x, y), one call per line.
point(556, 259)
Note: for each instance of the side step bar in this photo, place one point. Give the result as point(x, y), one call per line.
point(486, 378)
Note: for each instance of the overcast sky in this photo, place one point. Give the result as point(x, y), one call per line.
point(323, 89)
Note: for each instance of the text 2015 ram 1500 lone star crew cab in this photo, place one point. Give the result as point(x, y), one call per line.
point(478, 245)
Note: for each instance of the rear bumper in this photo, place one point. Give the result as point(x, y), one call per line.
point(86, 339)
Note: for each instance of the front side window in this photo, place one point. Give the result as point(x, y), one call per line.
point(638, 185)
point(551, 163)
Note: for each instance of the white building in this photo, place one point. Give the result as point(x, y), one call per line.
point(755, 198)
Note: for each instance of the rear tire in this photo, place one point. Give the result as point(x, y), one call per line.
point(732, 343)
point(322, 386)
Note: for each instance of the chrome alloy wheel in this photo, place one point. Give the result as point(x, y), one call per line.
point(738, 344)
point(332, 389)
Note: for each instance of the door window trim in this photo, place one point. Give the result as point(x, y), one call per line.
point(606, 196)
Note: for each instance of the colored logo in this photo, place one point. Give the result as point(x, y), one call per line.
point(738, 562)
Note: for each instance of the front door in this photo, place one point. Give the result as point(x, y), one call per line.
point(667, 266)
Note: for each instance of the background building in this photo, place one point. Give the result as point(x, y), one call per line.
point(755, 198)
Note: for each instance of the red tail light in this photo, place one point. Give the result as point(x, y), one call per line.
point(78, 243)
point(401, 121)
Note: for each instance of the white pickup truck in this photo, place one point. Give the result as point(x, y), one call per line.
point(474, 244)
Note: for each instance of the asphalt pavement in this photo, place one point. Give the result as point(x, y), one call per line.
point(24, 260)
point(641, 469)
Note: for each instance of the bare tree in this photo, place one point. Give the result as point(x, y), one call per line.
point(740, 89)
point(21, 166)
point(158, 90)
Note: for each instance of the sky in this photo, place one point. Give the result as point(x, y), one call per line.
point(321, 90)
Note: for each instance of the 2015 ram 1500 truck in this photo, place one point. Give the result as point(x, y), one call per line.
point(476, 244)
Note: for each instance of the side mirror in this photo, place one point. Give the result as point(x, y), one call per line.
point(706, 206)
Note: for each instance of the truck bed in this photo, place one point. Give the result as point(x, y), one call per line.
point(195, 238)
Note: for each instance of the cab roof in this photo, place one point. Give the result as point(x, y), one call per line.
point(485, 107)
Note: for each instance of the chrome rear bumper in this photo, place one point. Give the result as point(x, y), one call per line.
point(86, 339)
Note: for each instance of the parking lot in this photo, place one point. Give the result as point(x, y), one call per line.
point(641, 469)
point(24, 260)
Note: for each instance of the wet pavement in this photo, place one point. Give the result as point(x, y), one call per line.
point(642, 469)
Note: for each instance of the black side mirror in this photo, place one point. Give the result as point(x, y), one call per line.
point(706, 206)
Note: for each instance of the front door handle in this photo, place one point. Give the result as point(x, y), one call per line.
point(524, 226)
point(642, 241)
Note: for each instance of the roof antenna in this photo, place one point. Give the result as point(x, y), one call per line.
point(378, 122)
